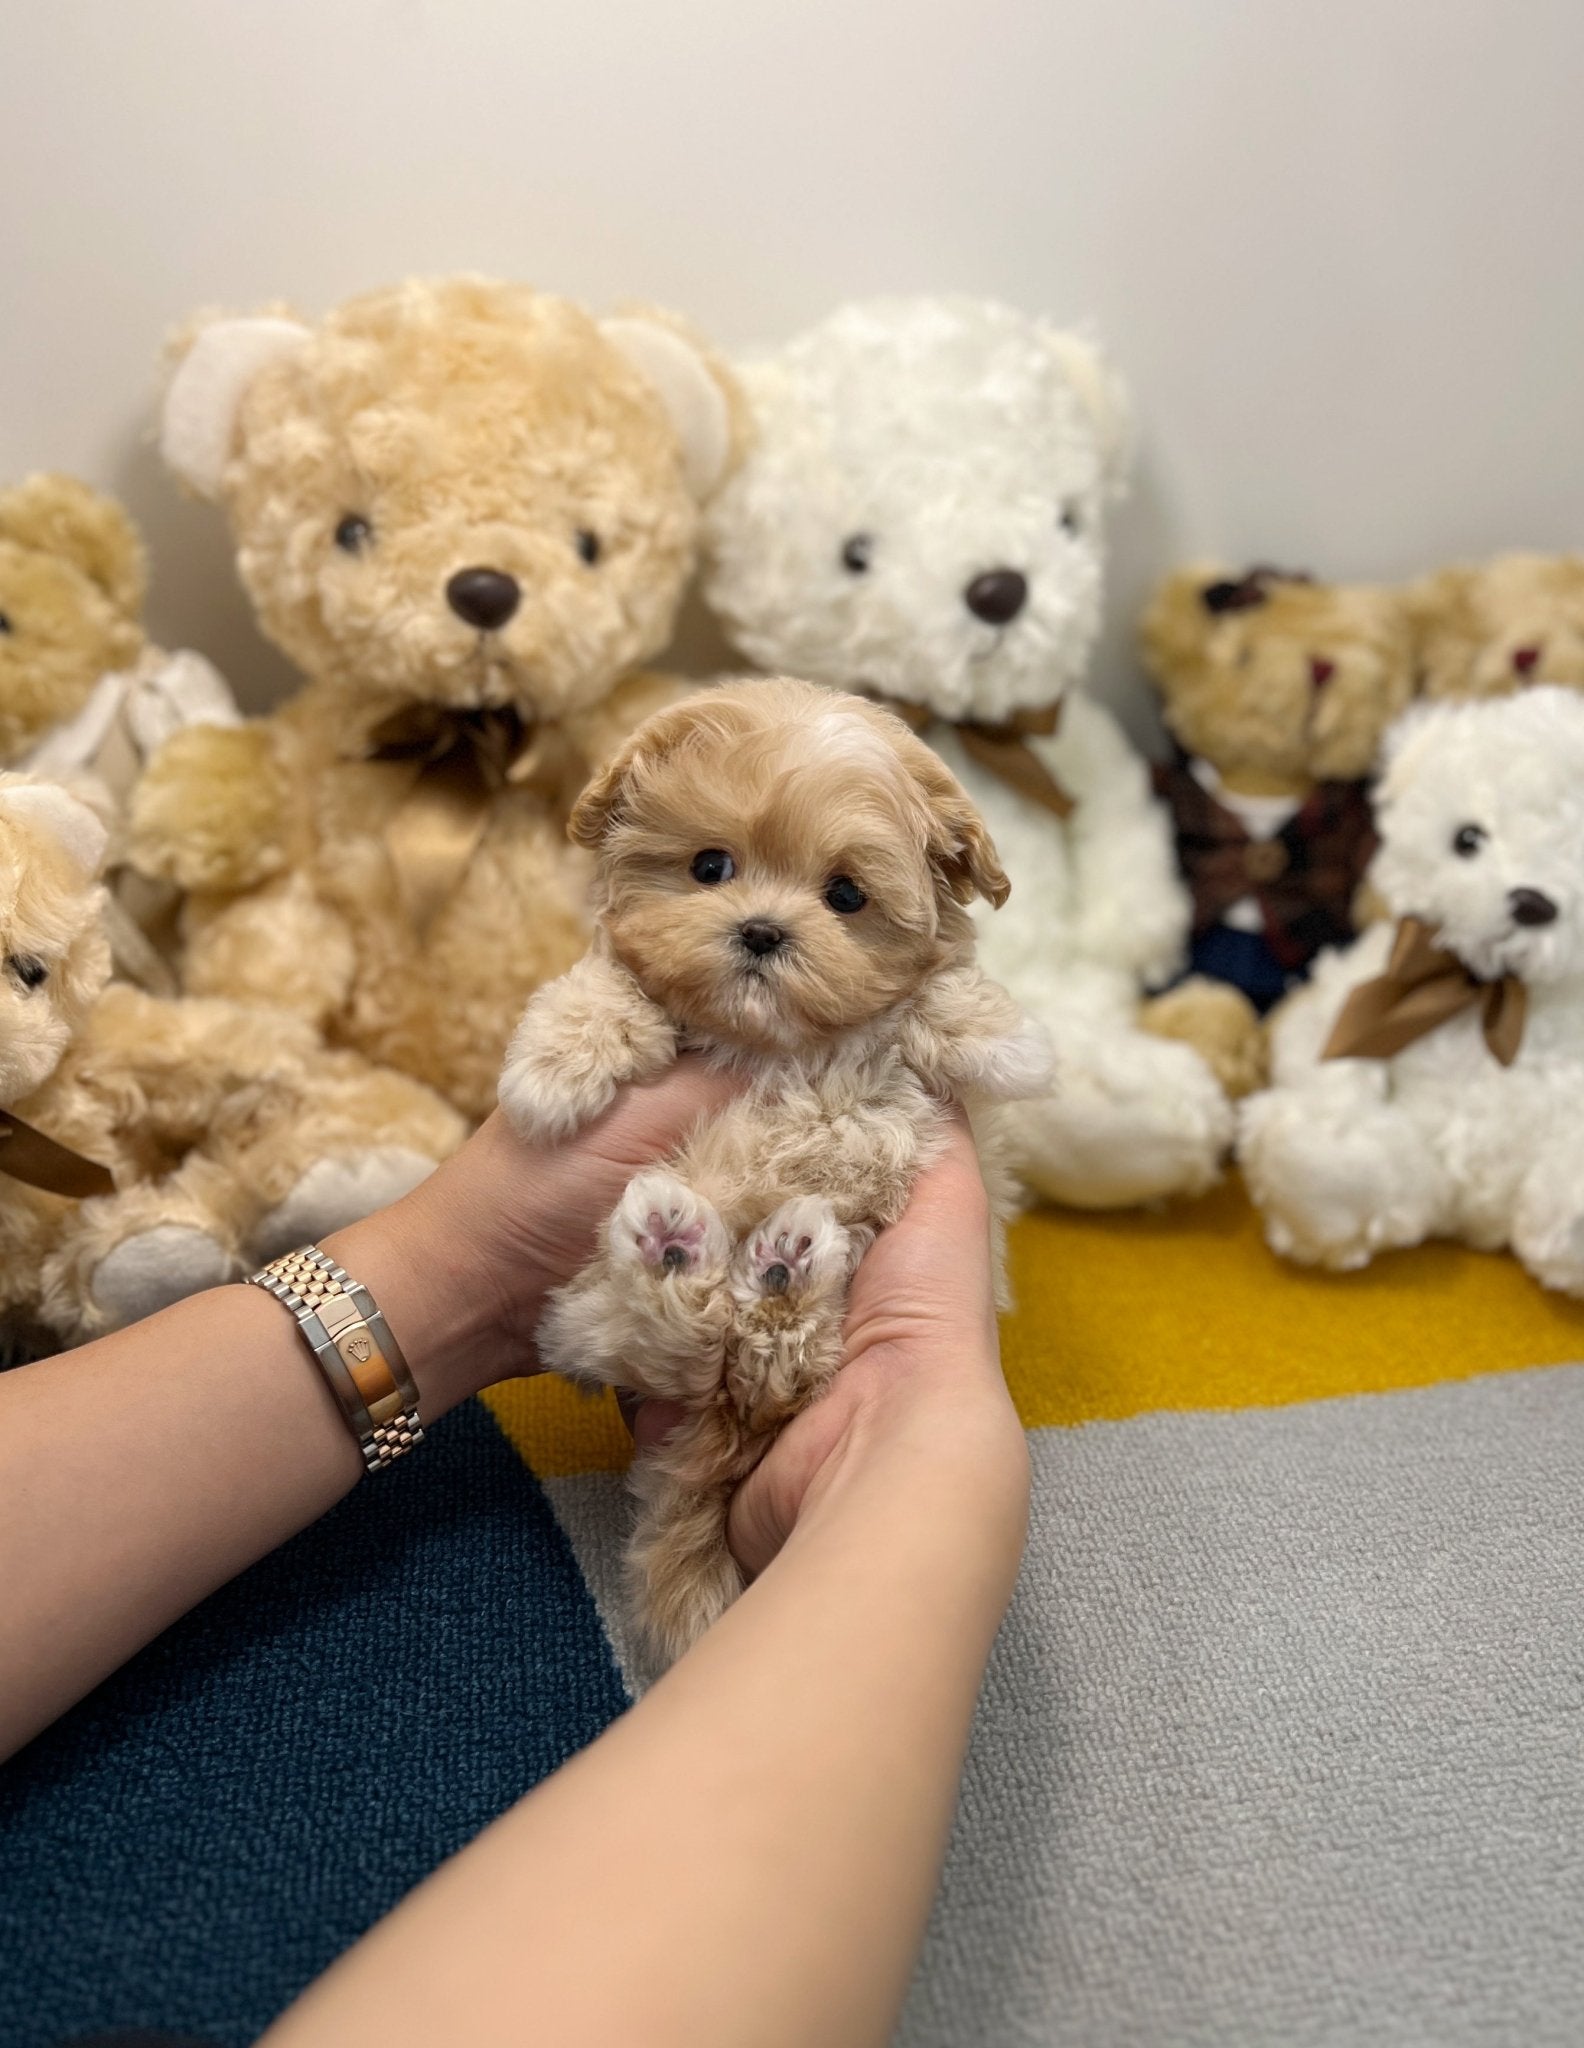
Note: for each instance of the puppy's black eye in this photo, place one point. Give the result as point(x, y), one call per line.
point(844, 895)
point(857, 553)
point(712, 865)
point(353, 534)
point(30, 972)
point(5, 623)
point(1467, 840)
point(1071, 520)
point(588, 545)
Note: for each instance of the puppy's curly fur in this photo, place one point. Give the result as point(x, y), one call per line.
point(783, 878)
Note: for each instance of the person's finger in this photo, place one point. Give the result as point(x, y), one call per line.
point(650, 1422)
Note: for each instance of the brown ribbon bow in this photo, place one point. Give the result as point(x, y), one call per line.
point(463, 759)
point(1003, 749)
point(27, 1155)
point(1422, 987)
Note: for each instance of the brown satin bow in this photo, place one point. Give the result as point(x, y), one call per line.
point(463, 760)
point(1422, 987)
point(27, 1155)
point(1003, 749)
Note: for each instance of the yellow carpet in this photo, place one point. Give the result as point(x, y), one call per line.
point(1118, 1314)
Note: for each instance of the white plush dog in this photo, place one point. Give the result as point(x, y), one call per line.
point(1474, 1126)
point(920, 517)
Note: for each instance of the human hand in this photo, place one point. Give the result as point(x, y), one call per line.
point(920, 1396)
point(462, 1265)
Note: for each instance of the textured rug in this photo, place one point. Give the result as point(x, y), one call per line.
point(1283, 1742)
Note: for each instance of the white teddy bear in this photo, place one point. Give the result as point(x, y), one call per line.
point(920, 517)
point(1429, 1081)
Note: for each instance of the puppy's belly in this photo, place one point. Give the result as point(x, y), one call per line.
point(862, 1160)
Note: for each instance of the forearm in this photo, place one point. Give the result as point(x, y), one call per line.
point(750, 1855)
point(141, 1472)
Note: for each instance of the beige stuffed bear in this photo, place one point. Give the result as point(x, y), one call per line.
point(468, 511)
point(149, 1148)
point(1277, 690)
point(1482, 630)
point(83, 696)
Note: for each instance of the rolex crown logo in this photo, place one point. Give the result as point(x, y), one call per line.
point(359, 1348)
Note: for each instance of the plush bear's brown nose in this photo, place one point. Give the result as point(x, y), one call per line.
point(997, 595)
point(1525, 660)
point(1529, 906)
point(483, 597)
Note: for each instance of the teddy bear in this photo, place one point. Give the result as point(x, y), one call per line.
point(152, 1146)
point(83, 695)
point(919, 516)
point(1429, 1080)
point(1277, 690)
point(1482, 629)
point(468, 511)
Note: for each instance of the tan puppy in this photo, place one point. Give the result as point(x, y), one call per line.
point(782, 877)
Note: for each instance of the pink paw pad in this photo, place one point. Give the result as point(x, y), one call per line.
point(670, 1246)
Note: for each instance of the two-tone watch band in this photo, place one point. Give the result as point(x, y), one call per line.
point(352, 1341)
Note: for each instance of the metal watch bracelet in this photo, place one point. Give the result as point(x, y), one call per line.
point(352, 1342)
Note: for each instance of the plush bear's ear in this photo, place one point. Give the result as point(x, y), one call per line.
point(690, 387)
point(1104, 396)
point(60, 516)
point(199, 416)
point(48, 807)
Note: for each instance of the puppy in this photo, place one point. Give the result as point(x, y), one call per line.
point(782, 877)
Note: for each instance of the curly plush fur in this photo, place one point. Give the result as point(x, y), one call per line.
point(904, 450)
point(1482, 630)
point(782, 877)
point(415, 434)
point(1288, 685)
point(1350, 1157)
point(231, 1133)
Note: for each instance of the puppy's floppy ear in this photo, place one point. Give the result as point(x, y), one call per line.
point(960, 849)
point(600, 805)
point(198, 420)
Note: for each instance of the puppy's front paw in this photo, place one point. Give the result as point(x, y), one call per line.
point(546, 1097)
point(663, 1226)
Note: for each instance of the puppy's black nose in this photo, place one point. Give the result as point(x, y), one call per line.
point(483, 597)
point(1529, 906)
point(997, 596)
point(758, 936)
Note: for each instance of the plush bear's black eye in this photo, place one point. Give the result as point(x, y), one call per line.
point(588, 545)
point(857, 553)
point(5, 623)
point(30, 972)
point(1467, 840)
point(844, 895)
point(712, 865)
point(353, 534)
point(1071, 520)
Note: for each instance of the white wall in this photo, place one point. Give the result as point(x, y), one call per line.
point(1335, 243)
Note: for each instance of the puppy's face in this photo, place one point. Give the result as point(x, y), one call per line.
point(779, 865)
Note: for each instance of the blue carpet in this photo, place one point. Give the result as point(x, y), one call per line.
point(206, 1832)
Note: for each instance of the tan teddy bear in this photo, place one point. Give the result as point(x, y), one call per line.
point(82, 693)
point(148, 1147)
point(1277, 690)
point(468, 511)
point(1483, 629)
